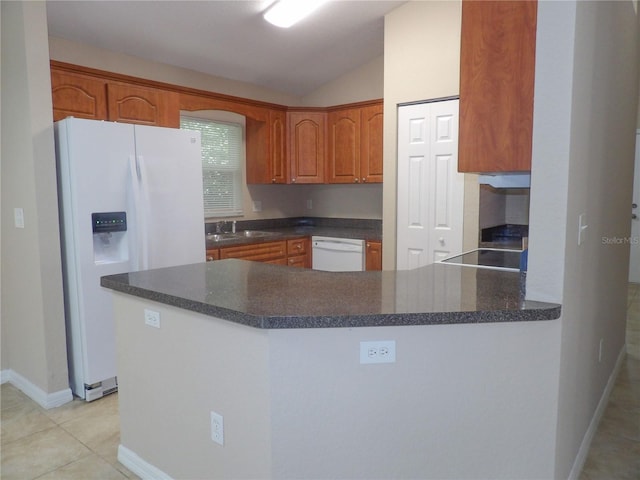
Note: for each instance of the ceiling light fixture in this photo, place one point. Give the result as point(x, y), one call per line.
point(285, 13)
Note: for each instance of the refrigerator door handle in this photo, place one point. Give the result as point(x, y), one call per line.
point(140, 207)
point(145, 212)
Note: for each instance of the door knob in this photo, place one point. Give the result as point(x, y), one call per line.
point(634, 205)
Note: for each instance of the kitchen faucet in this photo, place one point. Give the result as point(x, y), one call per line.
point(220, 226)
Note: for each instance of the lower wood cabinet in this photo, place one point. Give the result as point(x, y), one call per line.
point(373, 255)
point(299, 252)
point(260, 252)
point(295, 252)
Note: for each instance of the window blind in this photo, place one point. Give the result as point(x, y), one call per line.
point(222, 155)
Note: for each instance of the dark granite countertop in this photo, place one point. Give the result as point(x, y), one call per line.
point(286, 229)
point(271, 296)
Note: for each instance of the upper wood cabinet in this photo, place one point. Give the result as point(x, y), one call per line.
point(306, 142)
point(343, 156)
point(76, 95)
point(371, 144)
point(266, 140)
point(277, 147)
point(282, 145)
point(143, 105)
point(497, 65)
point(355, 145)
point(90, 96)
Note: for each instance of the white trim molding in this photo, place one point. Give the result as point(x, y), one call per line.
point(35, 393)
point(581, 457)
point(140, 467)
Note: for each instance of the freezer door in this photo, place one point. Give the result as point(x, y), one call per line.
point(93, 175)
point(170, 208)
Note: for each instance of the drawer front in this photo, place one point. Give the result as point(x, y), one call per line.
point(298, 246)
point(260, 252)
point(301, 261)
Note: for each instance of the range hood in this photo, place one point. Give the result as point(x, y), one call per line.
point(506, 180)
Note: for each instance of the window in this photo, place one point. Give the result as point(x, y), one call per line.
point(222, 157)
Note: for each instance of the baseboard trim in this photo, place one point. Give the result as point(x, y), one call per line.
point(140, 467)
point(583, 451)
point(35, 393)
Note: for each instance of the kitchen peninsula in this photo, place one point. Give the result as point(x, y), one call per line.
point(276, 351)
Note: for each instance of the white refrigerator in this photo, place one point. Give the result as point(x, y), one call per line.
point(130, 198)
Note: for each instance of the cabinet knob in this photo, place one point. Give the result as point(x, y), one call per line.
point(441, 240)
point(209, 259)
point(356, 180)
point(273, 180)
point(299, 247)
point(364, 179)
point(293, 180)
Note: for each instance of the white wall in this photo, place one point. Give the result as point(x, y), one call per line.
point(461, 401)
point(365, 82)
point(422, 61)
point(33, 332)
point(584, 127)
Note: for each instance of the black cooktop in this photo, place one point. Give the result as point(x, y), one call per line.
point(488, 258)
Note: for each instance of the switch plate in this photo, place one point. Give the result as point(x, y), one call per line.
point(582, 226)
point(309, 204)
point(152, 318)
point(378, 352)
point(18, 217)
point(217, 428)
point(256, 205)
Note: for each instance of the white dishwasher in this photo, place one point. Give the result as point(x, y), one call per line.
point(337, 254)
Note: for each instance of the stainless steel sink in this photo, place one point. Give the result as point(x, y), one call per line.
point(219, 237)
point(258, 233)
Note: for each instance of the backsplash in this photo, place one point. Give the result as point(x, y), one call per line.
point(503, 206)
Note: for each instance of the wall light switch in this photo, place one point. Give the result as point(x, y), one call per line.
point(582, 226)
point(18, 217)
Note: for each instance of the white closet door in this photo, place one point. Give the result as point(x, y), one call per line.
point(430, 189)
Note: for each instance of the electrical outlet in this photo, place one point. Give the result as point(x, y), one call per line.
point(152, 318)
point(217, 428)
point(378, 352)
point(309, 204)
point(256, 205)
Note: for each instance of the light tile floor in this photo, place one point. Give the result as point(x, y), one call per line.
point(79, 440)
point(615, 448)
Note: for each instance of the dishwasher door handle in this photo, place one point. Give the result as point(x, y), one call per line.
point(337, 246)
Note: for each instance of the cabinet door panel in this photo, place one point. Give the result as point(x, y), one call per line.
point(78, 96)
point(343, 157)
point(497, 62)
point(306, 147)
point(371, 150)
point(373, 256)
point(277, 146)
point(261, 252)
point(147, 106)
